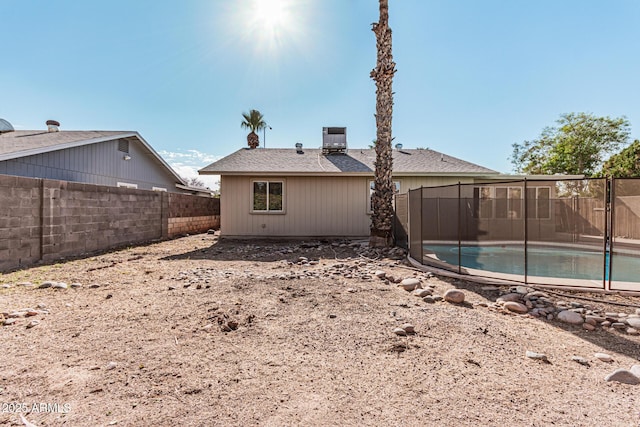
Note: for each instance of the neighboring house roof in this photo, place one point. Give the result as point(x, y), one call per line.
point(22, 143)
point(283, 161)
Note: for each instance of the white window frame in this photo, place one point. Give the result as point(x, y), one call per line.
point(268, 211)
point(127, 185)
point(536, 206)
point(370, 186)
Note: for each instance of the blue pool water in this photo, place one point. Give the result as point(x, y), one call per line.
point(542, 261)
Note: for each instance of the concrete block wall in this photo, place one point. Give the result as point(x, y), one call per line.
point(80, 218)
point(191, 214)
point(46, 220)
point(184, 205)
point(20, 213)
point(193, 224)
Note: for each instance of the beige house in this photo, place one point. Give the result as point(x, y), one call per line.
point(323, 193)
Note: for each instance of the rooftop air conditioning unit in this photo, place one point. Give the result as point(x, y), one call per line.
point(334, 140)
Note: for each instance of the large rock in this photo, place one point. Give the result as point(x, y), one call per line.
point(593, 319)
point(623, 376)
point(516, 307)
point(570, 317)
point(537, 356)
point(454, 296)
point(537, 294)
point(509, 297)
point(423, 292)
point(634, 322)
point(604, 357)
point(399, 331)
point(409, 328)
point(410, 284)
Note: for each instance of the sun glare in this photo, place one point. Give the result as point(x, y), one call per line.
point(272, 15)
point(271, 26)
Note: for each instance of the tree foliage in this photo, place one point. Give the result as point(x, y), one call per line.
point(196, 182)
point(625, 164)
point(254, 121)
point(578, 145)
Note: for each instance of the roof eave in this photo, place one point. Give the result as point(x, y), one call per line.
point(159, 158)
point(401, 173)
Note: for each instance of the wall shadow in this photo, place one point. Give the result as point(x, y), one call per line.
point(265, 250)
point(614, 341)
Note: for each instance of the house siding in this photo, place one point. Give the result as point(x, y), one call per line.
point(315, 206)
point(100, 164)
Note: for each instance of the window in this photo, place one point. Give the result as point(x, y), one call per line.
point(159, 189)
point(267, 196)
point(396, 184)
point(538, 202)
point(508, 202)
point(484, 204)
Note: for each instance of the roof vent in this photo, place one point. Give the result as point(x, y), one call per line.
point(334, 140)
point(5, 126)
point(52, 125)
point(299, 147)
point(398, 146)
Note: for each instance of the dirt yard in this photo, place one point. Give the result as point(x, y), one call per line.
point(196, 332)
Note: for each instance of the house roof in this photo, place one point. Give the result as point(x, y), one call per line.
point(22, 143)
point(283, 161)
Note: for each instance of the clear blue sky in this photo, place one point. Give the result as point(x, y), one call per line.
point(473, 76)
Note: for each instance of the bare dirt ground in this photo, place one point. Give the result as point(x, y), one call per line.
point(196, 332)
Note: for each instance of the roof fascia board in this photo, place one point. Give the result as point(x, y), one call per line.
point(368, 174)
point(536, 177)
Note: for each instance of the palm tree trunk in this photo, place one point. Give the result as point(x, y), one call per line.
point(382, 74)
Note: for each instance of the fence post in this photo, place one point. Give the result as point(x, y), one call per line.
point(421, 226)
point(164, 214)
point(459, 231)
point(41, 254)
point(609, 210)
point(526, 234)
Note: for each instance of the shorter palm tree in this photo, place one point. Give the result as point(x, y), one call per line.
point(254, 121)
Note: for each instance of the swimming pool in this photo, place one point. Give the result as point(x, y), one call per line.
point(542, 261)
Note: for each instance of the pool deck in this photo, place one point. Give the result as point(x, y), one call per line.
point(622, 288)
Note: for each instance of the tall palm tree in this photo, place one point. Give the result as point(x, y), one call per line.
point(254, 121)
point(382, 74)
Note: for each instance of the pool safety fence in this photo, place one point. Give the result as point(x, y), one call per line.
point(561, 232)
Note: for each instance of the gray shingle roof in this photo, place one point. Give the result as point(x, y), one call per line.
point(26, 142)
point(355, 161)
point(22, 143)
